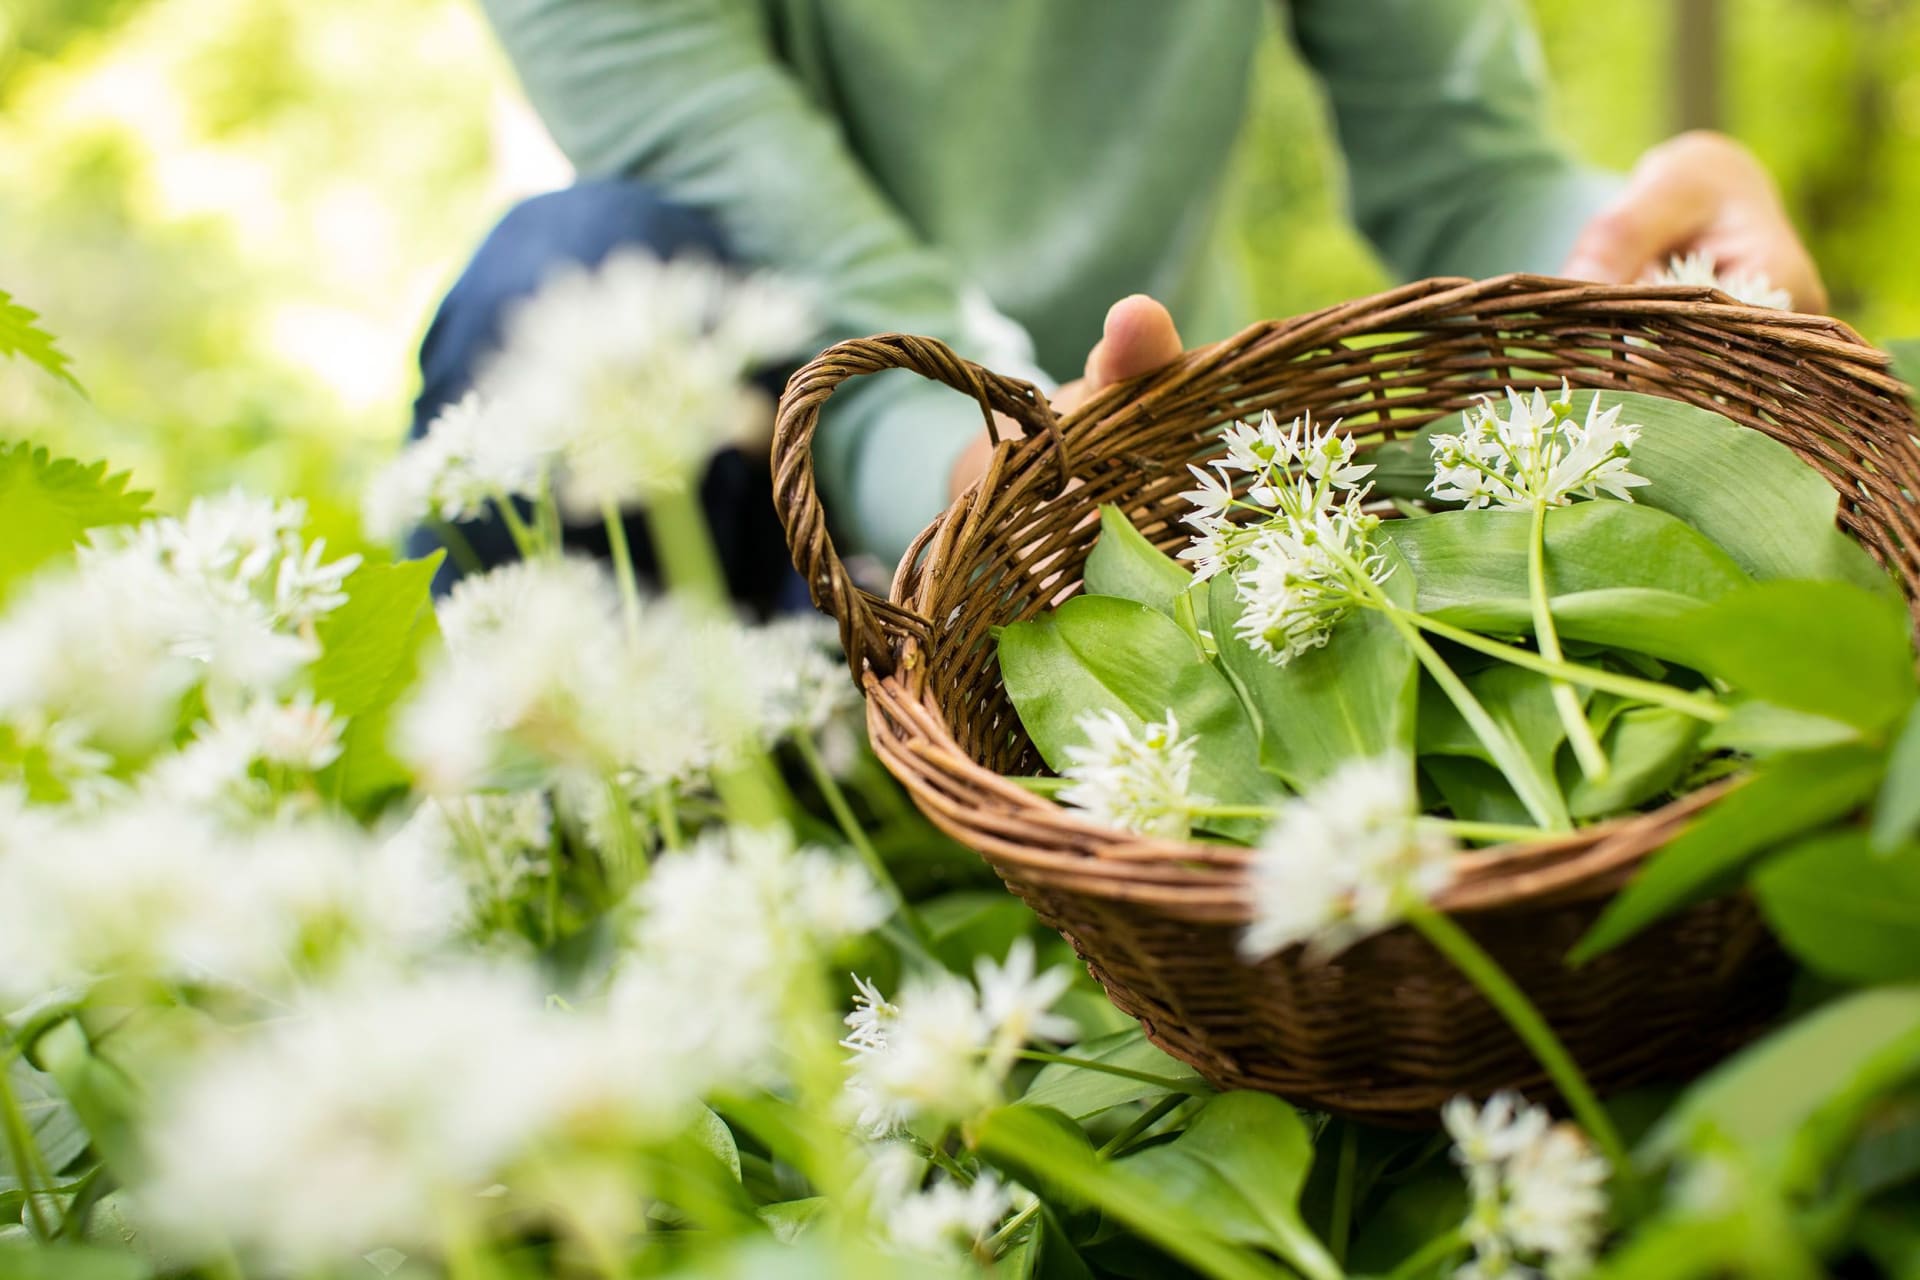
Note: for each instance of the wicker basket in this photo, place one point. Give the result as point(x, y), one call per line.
point(1388, 1030)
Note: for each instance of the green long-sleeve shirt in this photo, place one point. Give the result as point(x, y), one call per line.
point(997, 172)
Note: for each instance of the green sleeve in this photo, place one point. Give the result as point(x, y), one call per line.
point(1440, 107)
point(688, 96)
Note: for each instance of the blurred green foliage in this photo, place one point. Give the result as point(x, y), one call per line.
point(238, 213)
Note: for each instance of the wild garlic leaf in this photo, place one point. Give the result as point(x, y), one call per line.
point(1353, 697)
point(1648, 749)
point(1847, 912)
point(1124, 564)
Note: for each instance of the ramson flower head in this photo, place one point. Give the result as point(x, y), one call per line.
point(1137, 780)
point(1339, 862)
point(1537, 452)
point(1538, 1201)
point(943, 1047)
point(1750, 287)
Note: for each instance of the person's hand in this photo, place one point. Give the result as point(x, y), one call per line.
point(1138, 338)
point(1698, 193)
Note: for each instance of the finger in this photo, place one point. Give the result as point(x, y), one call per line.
point(1070, 395)
point(1139, 338)
point(1667, 203)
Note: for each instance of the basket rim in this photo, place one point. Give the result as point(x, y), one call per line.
point(1208, 883)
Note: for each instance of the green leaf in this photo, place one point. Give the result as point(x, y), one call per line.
point(1761, 729)
point(1241, 1165)
point(69, 1262)
point(1896, 813)
point(712, 1133)
point(1081, 1092)
point(1649, 749)
point(1102, 653)
point(47, 505)
point(1123, 563)
point(974, 922)
point(1846, 911)
point(1745, 491)
point(370, 649)
point(1045, 1151)
point(1475, 791)
point(1617, 573)
point(1906, 362)
point(20, 336)
point(1785, 797)
point(51, 1120)
point(1790, 1102)
point(1520, 702)
point(1044, 1253)
point(1352, 697)
point(1825, 648)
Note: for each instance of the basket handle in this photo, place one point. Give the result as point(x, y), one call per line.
point(868, 624)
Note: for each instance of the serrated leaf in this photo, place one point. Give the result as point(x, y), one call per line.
point(48, 504)
point(21, 336)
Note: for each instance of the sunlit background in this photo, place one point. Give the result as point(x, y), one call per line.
point(238, 213)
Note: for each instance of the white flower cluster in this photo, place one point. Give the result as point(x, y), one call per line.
point(1750, 287)
point(1538, 1198)
point(503, 840)
point(616, 384)
point(1537, 453)
point(1340, 861)
point(101, 657)
point(723, 930)
point(941, 1050)
point(1308, 559)
point(1135, 781)
point(930, 1219)
point(543, 681)
point(151, 893)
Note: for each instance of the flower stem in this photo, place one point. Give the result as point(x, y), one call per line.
point(622, 566)
point(1501, 831)
point(1664, 695)
point(1505, 996)
point(1422, 1261)
point(1543, 807)
point(1586, 747)
point(1169, 1083)
point(465, 558)
point(687, 558)
point(850, 828)
point(527, 542)
point(1141, 1123)
point(668, 816)
point(24, 1154)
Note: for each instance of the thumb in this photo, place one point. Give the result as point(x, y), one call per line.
point(1667, 203)
point(1139, 337)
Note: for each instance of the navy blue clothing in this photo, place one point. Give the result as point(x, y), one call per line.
point(581, 226)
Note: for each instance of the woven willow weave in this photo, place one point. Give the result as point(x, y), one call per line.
point(1388, 1030)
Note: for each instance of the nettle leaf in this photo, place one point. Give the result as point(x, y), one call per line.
point(1785, 796)
point(1241, 1164)
point(1103, 653)
point(1825, 648)
point(1617, 573)
point(370, 651)
point(52, 1123)
point(48, 504)
point(1792, 1101)
point(21, 336)
point(1081, 1092)
point(1846, 911)
point(1124, 564)
point(1352, 697)
point(1745, 491)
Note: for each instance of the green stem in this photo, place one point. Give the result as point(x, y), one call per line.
point(1340, 1217)
point(1040, 786)
point(1586, 747)
point(857, 837)
point(455, 541)
point(1544, 808)
point(999, 1239)
point(688, 562)
point(1500, 831)
point(1504, 995)
point(1664, 695)
point(1423, 1260)
point(622, 566)
point(1169, 1083)
point(1141, 1123)
point(667, 814)
point(525, 540)
point(22, 1149)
